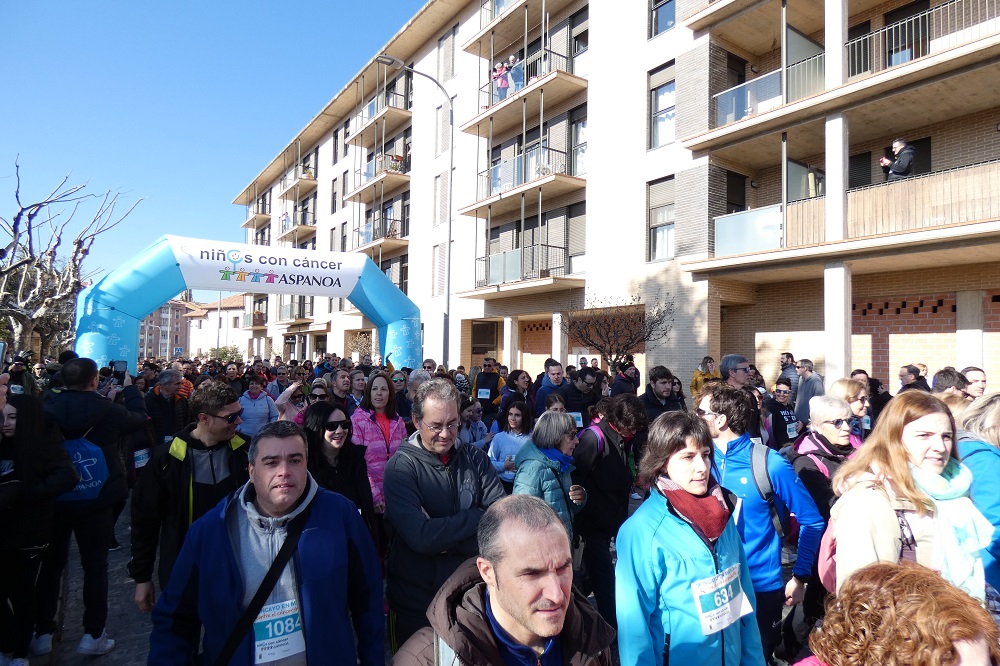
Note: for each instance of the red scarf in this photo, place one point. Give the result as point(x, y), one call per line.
point(707, 513)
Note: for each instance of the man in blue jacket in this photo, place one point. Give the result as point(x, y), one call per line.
point(727, 411)
point(329, 592)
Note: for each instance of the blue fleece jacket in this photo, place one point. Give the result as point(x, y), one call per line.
point(339, 589)
point(543, 392)
point(660, 556)
point(983, 460)
point(257, 413)
point(753, 518)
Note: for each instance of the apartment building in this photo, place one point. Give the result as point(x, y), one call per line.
point(219, 324)
point(721, 155)
point(165, 330)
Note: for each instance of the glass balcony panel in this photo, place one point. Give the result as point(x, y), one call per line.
point(754, 230)
point(524, 73)
point(536, 162)
point(580, 160)
point(807, 77)
point(748, 99)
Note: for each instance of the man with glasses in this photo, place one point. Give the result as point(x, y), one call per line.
point(186, 477)
point(280, 383)
point(810, 386)
point(781, 421)
point(488, 390)
point(580, 393)
point(22, 381)
point(435, 495)
point(727, 411)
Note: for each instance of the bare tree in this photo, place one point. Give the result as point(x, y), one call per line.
point(38, 276)
point(361, 343)
point(616, 327)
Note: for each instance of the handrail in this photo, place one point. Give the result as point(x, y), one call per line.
point(534, 163)
point(756, 96)
point(524, 263)
point(490, 9)
point(521, 75)
point(381, 163)
point(376, 104)
point(378, 229)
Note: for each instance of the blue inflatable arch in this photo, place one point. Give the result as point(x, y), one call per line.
point(108, 312)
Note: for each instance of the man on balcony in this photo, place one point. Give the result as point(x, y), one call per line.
point(901, 164)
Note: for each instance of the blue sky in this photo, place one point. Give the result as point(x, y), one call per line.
point(180, 104)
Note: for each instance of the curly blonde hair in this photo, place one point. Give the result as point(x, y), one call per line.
point(900, 615)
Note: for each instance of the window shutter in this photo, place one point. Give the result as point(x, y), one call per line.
point(577, 230)
point(439, 264)
point(661, 193)
point(658, 77)
point(441, 190)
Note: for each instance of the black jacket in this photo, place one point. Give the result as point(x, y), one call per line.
point(607, 479)
point(168, 416)
point(577, 400)
point(807, 451)
point(43, 471)
point(349, 478)
point(622, 384)
point(654, 407)
point(167, 499)
point(80, 413)
point(902, 165)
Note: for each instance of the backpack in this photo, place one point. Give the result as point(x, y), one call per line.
point(596, 429)
point(762, 480)
point(90, 464)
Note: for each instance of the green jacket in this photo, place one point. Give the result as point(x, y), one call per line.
point(539, 475)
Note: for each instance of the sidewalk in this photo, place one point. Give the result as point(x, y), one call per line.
point(129, 627)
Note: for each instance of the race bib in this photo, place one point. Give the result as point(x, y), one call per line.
point(866, 422)
point(277, 632)
point(141, 457)
point(790, 429)
point(577, 418)
point(483, 394)
point(720, 601)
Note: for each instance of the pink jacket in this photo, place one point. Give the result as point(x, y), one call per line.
point(378, 451)
point(810, 661)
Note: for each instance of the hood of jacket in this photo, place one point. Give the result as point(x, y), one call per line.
point(531, 452)
point(819, 445)
point(458, 615)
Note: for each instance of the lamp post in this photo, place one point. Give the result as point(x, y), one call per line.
point(396, 63)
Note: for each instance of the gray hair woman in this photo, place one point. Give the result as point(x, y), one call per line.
point(544, 465)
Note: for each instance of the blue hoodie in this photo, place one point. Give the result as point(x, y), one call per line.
point(257, 413)
point(983, 460)
point(543, 392)
point(753, 518)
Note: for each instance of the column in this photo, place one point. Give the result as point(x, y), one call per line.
point(560, 338)
point(969, 329)
point(837, 320)
point(511, 343)
point(836, 177)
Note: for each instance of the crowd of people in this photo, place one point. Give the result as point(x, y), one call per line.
point(331, 509)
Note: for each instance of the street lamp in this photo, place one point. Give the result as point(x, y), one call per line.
point(396, 63)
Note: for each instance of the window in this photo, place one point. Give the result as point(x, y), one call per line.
point(577, 245)
point(661, 16)
point(578, 140)
point(446, 55)
point(236, 321)
point(661, 219)
point(443, 142)
point(921, 155)
point(579, 41)
point(343, 237)
point(438, 279)
point(662, 102)
point(736, 192)
point(336, 146)
point(441, 196)
point(404, 217)
point(343, 188)
point(333, 198)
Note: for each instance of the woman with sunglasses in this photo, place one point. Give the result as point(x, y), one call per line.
point(335, 462)
point(905, 495)
point(398, 378)
point(319, 390)
point(292, 402)
point(677, 393)
point(855, 394)
point(378, 427)
point(816, 457)
point(34, 470)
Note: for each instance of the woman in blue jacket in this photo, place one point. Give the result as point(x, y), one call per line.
point(258, 408)
point(683, 588)
point(979, 449)
point(544, 464)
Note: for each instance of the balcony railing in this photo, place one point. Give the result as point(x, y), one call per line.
point(490, 9)
point(534, 163)
point(579, 157)
point(380, 228)
point(753, 230)
point(942, 27)
point(526, 263)
point(251, 319)
point(299, 172)
point(377, 103)
point(299, 310)
point(381, 164)
point(520, 75)
point(259, 208)
point(762, 94)
point(297, 219)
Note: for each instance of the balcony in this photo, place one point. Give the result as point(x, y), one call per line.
point(389, 171)
point(527, 270)
point(805, 78)
point(502, 23)
point(298, 182)
point(545, 71)
point(387, 234)
point(255, 320)
point(296, 310)
point(257, 216)
point(943, 199)
point(539, 171)
point(384, 116)
point(299, 225)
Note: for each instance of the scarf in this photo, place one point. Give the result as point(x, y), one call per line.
point(559, 457)
point(707, 513)
point(961, 531)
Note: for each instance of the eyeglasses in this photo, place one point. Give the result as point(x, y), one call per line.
point(741, 369)
point(230, 418)
point(313, 397)
point(701, 412)
point(782, 391)
point(863, 398)
point(438, 429)
point(799, 367)
point(429, 368)
point(838, 423)
point(282, 374)
point(333, 426)
point(399, 380)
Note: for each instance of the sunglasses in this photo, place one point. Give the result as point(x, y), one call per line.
point(838, 423)
point(398, 380)
point(333, 426)
point(313, 397)
point(701, 412)
point(231, 418)
point(782, 391)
